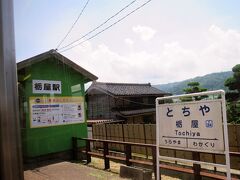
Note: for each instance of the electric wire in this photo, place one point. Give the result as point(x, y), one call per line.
point(93, 36)
point(69, 31)
point(99, 25)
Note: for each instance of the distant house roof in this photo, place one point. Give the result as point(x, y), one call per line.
point(58, 56)
point(126, 89)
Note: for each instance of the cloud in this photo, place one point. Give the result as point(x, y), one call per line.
point(172, 62)
point(140, 67)
point(129, 41)
point(145, 33)
point(223, 49)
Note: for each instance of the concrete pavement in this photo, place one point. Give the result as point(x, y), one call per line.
point(68, 171)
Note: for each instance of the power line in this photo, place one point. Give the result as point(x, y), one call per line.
point(107, 27)
point(69, 31)
point(100, 25)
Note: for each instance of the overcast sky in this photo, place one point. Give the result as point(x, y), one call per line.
point(163, 42)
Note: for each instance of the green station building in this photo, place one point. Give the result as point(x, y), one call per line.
point(52, 103)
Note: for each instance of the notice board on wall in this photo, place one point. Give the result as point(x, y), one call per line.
point(52, 111)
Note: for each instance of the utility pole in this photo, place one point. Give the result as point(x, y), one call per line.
point(10, 138)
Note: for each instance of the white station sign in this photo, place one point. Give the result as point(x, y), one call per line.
point(46, 87)
point(192, 125)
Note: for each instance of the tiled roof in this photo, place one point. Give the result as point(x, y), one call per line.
point(126, 89)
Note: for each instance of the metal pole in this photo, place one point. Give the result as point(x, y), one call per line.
point(157, 142)
point(154, 159)
point(10, 143)
point(225, 130)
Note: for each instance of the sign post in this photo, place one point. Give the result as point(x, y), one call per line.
point(196, 125)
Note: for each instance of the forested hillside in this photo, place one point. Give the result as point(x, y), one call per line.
point(212, 81)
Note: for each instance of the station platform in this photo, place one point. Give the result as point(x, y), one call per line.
point(68, 171)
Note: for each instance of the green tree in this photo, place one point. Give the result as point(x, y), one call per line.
point(194, 87)
point(233, 95)
point(233, 84)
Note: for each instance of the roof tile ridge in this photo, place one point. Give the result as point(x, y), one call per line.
point(126, 84)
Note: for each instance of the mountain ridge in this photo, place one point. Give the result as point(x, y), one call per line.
point(212, 81)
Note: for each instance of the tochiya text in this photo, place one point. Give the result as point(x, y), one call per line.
point(187, 133)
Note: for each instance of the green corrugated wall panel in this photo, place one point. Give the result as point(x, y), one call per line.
point(45, 140)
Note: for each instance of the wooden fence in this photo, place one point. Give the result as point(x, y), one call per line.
point(145, 133)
